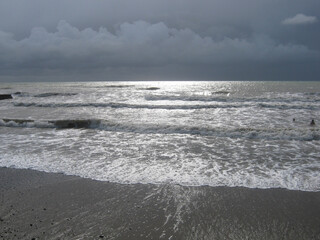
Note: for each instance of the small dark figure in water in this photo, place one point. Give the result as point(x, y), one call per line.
point(293, 120)
point(312, 122)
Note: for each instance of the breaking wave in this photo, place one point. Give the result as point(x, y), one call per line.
point(42, 95)
point(312, 93)
point(126, 105)
point(195, 98)
point(185, 98)
point(289, 106)
point(301, 134)
point(167, 107)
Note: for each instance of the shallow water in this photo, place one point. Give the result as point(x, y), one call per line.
point(187, 133)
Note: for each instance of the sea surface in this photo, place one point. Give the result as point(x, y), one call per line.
point(249, 134)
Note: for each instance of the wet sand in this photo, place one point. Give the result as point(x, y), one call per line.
point(37, 205)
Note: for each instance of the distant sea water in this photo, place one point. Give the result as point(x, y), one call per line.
point(250, 134)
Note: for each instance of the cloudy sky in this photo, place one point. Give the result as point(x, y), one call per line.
point(55, 40)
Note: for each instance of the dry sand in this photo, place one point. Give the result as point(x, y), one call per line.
point(37, 205)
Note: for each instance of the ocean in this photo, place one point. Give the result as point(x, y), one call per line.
point(235, 134)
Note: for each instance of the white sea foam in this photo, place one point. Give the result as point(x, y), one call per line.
point(192, 162)
point(25, 123)
point(216, 134)
point(301, 134)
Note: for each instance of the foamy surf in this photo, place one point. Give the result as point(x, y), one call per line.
point(255, 135)
point(298, 134)
point(193, 161)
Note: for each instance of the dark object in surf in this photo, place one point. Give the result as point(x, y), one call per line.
point(312, 122)
point(152, 88)
point(293, 120)
point(5, 96)
point(54, 94)
point(72, 123)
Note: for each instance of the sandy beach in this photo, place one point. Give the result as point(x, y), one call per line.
point(38, 205)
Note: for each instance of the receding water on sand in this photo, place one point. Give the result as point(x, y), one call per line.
point(51, 206)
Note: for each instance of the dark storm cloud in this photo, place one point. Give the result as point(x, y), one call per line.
point(160, 39)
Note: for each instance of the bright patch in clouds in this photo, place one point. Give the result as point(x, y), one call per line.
point(300, 19)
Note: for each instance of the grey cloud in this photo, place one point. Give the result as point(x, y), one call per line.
point(300, 19)
point(244, 17)
point(170, 38)
point(217, 19)
point(137, 44)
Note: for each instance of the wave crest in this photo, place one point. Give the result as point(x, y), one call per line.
point(300, 134)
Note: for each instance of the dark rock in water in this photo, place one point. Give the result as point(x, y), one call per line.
point(46, 95)
point(5, 96)
point(118, 86)
point(72, 123)
point(221, 92)
point(20, 94)
point(54, 94)
point(149, 88)
point(152, 88)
